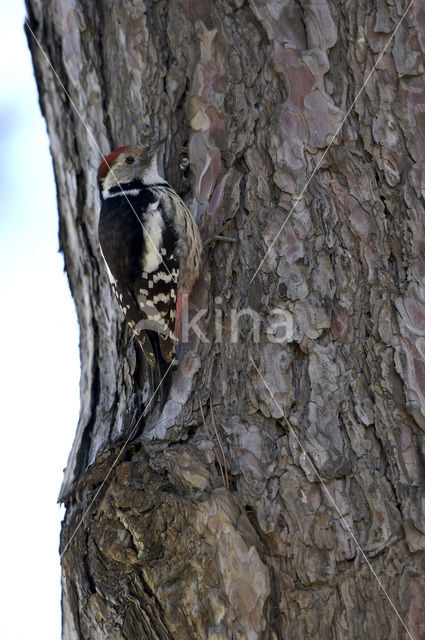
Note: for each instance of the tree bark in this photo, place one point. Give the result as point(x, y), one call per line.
point(251, 93)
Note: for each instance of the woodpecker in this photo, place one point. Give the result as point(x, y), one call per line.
point(152, 249)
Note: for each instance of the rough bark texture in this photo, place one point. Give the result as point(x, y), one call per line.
point(255, 90)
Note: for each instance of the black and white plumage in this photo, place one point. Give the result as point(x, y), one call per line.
point(152, 249)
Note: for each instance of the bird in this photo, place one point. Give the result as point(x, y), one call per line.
point(152, 249)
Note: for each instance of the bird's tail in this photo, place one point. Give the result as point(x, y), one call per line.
point(160, 368)
point(163, 372)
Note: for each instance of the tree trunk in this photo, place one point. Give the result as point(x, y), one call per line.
point(320, 531)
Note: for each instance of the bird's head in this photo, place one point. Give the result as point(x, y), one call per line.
point(129, 163)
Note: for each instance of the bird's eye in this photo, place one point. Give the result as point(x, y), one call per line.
point(129, 160)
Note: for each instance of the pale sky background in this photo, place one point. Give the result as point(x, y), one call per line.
point(39, 360)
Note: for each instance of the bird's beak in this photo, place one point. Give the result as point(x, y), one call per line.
point(156, 145)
